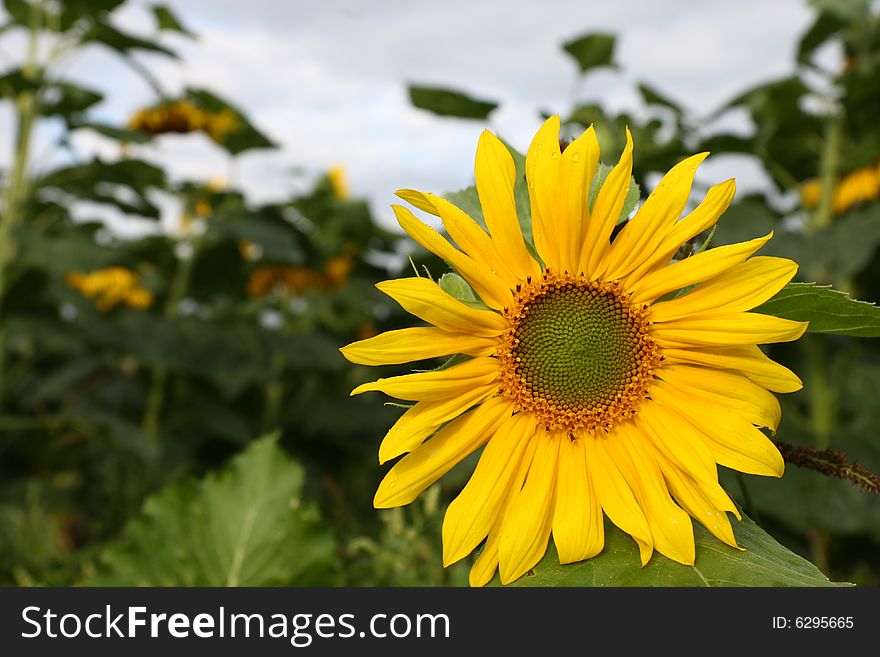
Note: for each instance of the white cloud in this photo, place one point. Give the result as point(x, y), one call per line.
point(326, 80)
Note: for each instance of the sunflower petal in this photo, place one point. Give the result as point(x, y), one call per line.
point(471, 514)
point(467, 234)
point(654, 220)
point(426, 300)
point(735, 391)
point(695, 269)
point(486, 563)
point(491, 289)
point(727, 329)
point(409, 344)
point(689, 495)
point(606, 210)
point(495, 174)
point(579, 161)
point(734, 442)
point(424, 418)
point(434, 458)
point(740, 288)
point(542, 173)
point(437, 384)
point(677, 441)
point(578, 529)
point(717, 200)
point(671, 528)
point(615, 494)
point(527, 524)
point(747, 359)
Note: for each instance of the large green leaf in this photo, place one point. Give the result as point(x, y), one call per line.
point(764, 562)
point(591, 50)
point(827, 310)
point(447, 102)
point(246, 525)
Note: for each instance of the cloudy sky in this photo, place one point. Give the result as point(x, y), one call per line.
point(327, 80)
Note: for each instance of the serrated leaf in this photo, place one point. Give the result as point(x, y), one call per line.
point(447, 102)
point(827, 310)
point(591, 50)
point(245, 525)
point(763, 563)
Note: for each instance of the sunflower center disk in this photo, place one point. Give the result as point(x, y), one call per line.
point(577, 354)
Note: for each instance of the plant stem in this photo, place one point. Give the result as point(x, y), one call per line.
point(828, 166)
point(17, 189)
point(273, 394)
point(150, 424)
point(823, 400)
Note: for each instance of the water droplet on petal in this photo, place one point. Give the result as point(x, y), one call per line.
point(576, 157)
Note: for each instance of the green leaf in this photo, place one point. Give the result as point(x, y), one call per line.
point(763, 563)
point(124, 184)
point(281, 241)
point(243, 135)
point(653, 97)
point(447, 102)
point(55, 98)
point(166, 20)
point(591, 50)
point(827, 310)
point(246, 525)
point(823, 28)
point(112, 132)
point(122, 42)
point(455, 286)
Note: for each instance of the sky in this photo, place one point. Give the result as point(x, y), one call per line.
point(327, 80)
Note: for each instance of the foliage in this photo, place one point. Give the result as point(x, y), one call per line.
point(245, 525)
point(762, 562)
point(136, 374)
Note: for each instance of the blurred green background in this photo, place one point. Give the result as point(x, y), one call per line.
point(173, 406)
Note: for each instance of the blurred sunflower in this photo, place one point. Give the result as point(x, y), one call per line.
point(184, 116)
point(859, 186)
point(111, 286)
point(593, 387)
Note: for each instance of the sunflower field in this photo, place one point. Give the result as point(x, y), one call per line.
point(579, 346)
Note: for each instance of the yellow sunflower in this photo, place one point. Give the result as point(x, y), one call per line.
point(603, 377)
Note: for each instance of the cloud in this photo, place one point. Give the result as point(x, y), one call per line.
point(327, 80)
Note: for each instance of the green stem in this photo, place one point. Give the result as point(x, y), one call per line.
point(822, 396)
point(273, 394)
point(150, 424)
point(748, 501)
point(17, 189)
point(828, 167)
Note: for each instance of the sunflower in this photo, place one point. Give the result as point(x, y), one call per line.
point(601, 377)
